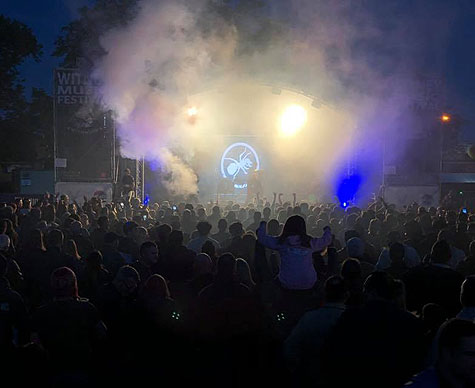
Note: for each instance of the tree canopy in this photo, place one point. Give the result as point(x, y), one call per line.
point(17, 43)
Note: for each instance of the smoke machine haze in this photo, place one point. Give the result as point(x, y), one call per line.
point(187, 80)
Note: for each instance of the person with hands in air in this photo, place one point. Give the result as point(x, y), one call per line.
point(295, 248)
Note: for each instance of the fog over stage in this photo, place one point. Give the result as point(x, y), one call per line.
point(293, 139)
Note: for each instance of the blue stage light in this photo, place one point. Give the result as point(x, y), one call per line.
point(347, 188)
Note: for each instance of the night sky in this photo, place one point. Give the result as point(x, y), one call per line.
point(46, 17)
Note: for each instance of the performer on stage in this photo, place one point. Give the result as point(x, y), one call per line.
point(128, 183)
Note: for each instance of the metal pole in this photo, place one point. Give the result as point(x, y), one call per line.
point(54, 130)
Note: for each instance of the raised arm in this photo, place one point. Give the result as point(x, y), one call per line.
point(264, 239)
point(320, 243)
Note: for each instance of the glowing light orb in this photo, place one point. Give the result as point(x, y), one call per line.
point(445, 118)
point(293, 119)
point(193, 111)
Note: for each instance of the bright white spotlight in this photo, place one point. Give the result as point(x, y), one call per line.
point(193, 111)
point(293, 119)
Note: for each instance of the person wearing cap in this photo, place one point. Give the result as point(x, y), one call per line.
point(69, 326)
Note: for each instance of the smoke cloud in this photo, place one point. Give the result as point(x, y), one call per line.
point(351, 64)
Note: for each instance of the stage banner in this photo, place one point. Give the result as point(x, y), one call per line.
point(83, 131)
point(76, 191)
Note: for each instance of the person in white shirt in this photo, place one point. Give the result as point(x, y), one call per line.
point(295, 248)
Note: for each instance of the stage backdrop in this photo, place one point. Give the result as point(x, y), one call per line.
point(84, 133)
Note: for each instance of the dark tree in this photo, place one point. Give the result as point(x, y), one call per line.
point(17, 43)
point(18, 129)
point(80, 38)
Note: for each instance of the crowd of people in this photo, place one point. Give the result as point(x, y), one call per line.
point(270, 293)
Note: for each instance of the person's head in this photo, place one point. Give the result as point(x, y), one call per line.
point(226, 267)
point(84, 219)
point(203, 227)
point(103, 222)
point(467, 292)
point(35, 240)
point(236, 229)
point(55, 239)
point(140, 235)
point(266, 213)
point(374, 226)
point(456, 353)
point(35, 214)
point(49, 213)
point(176, 238)
point(295, 226)
point(71, 249)
point(349, 234)
point(127, 280)
point(231, 216)
point(257, 217)
point(129, 228)
point(355, 247)
point(273, 227)
point(446, 235)
point(243, 273)
point(127, 171)
point(4, 243)
point(335, 289)
point(433, 315)
point(396, 253)
point(202, 264)
point(163, 232)
point(156, 287)
point(222, 225)
point(64, 283)
point(94, 260)
point(351, 269)
point(111, 239)
point(379, 285)
point(393, 237)
point(216, 211)
point(209, 248)
point(413, 230)
point(441, 252)
point(149, 253)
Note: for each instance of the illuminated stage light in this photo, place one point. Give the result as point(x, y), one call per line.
point(193, 111)
point(292, 120)
point(445, 118)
